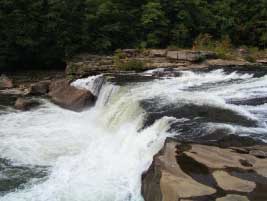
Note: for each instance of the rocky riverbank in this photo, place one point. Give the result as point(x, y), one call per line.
point(222, 168)
point(21, 92)
point(86, 64)
point(195, 172)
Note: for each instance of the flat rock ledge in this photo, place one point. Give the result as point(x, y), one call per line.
point(87, 64)
point(194, 172)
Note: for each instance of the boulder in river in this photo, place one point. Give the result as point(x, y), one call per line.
point(5, 82)
point(69, 97)
point(39, 88)
point(25, 104)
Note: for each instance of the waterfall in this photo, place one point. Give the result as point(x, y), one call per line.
point(101, 153)
point(93, 84)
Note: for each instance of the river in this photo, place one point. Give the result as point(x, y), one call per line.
point(53, 154)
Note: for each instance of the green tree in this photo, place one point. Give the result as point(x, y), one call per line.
point(154, 24)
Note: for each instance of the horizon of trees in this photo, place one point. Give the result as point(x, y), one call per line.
point(43, 33)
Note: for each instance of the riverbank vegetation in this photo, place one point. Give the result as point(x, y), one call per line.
point(43, 33)
point(226, 50)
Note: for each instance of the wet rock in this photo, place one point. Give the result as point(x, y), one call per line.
point(39, 88)
point(151, 189)
point(202, 172)
point(5, 82)
point(174, 183)
point(233, 198)
point(186, 171)
point(230, 183)
point(236, 141)
point(124, 79)
point(206, 113)
point(252, 101)
point(25, 104)
point(69, 97)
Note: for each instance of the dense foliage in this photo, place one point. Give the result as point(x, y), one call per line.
point(44, 32)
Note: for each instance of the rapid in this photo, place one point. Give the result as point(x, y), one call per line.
point(100, 154)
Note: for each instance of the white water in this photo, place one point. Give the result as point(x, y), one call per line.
point(99, 155)
point(92, 84)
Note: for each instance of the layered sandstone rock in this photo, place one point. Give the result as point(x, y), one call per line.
point(87, 64)
point(202, 172)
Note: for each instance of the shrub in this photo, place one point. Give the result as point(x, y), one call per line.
point(121, 62)
point(204, 42)
point(250, 58)
point(132, 64)
point(119, 54)
point(222, 47)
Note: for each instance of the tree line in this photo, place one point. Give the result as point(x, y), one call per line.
point(43, 33)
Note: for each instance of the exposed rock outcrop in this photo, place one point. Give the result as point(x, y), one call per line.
point(228, 63)
point(190, 55)
point(87, 64)
point(5, 82)
point(202, 172)
point(69, 97)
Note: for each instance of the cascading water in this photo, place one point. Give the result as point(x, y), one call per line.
point(101, 153)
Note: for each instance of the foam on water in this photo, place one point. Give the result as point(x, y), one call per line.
point(98, 154)
point(92, 84)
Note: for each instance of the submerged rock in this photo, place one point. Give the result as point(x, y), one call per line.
point(25, 104)
point(5, 82)
point(14, 176)
point(69, 97)
point(205, 113)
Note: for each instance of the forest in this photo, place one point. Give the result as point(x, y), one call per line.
point(43, 33)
